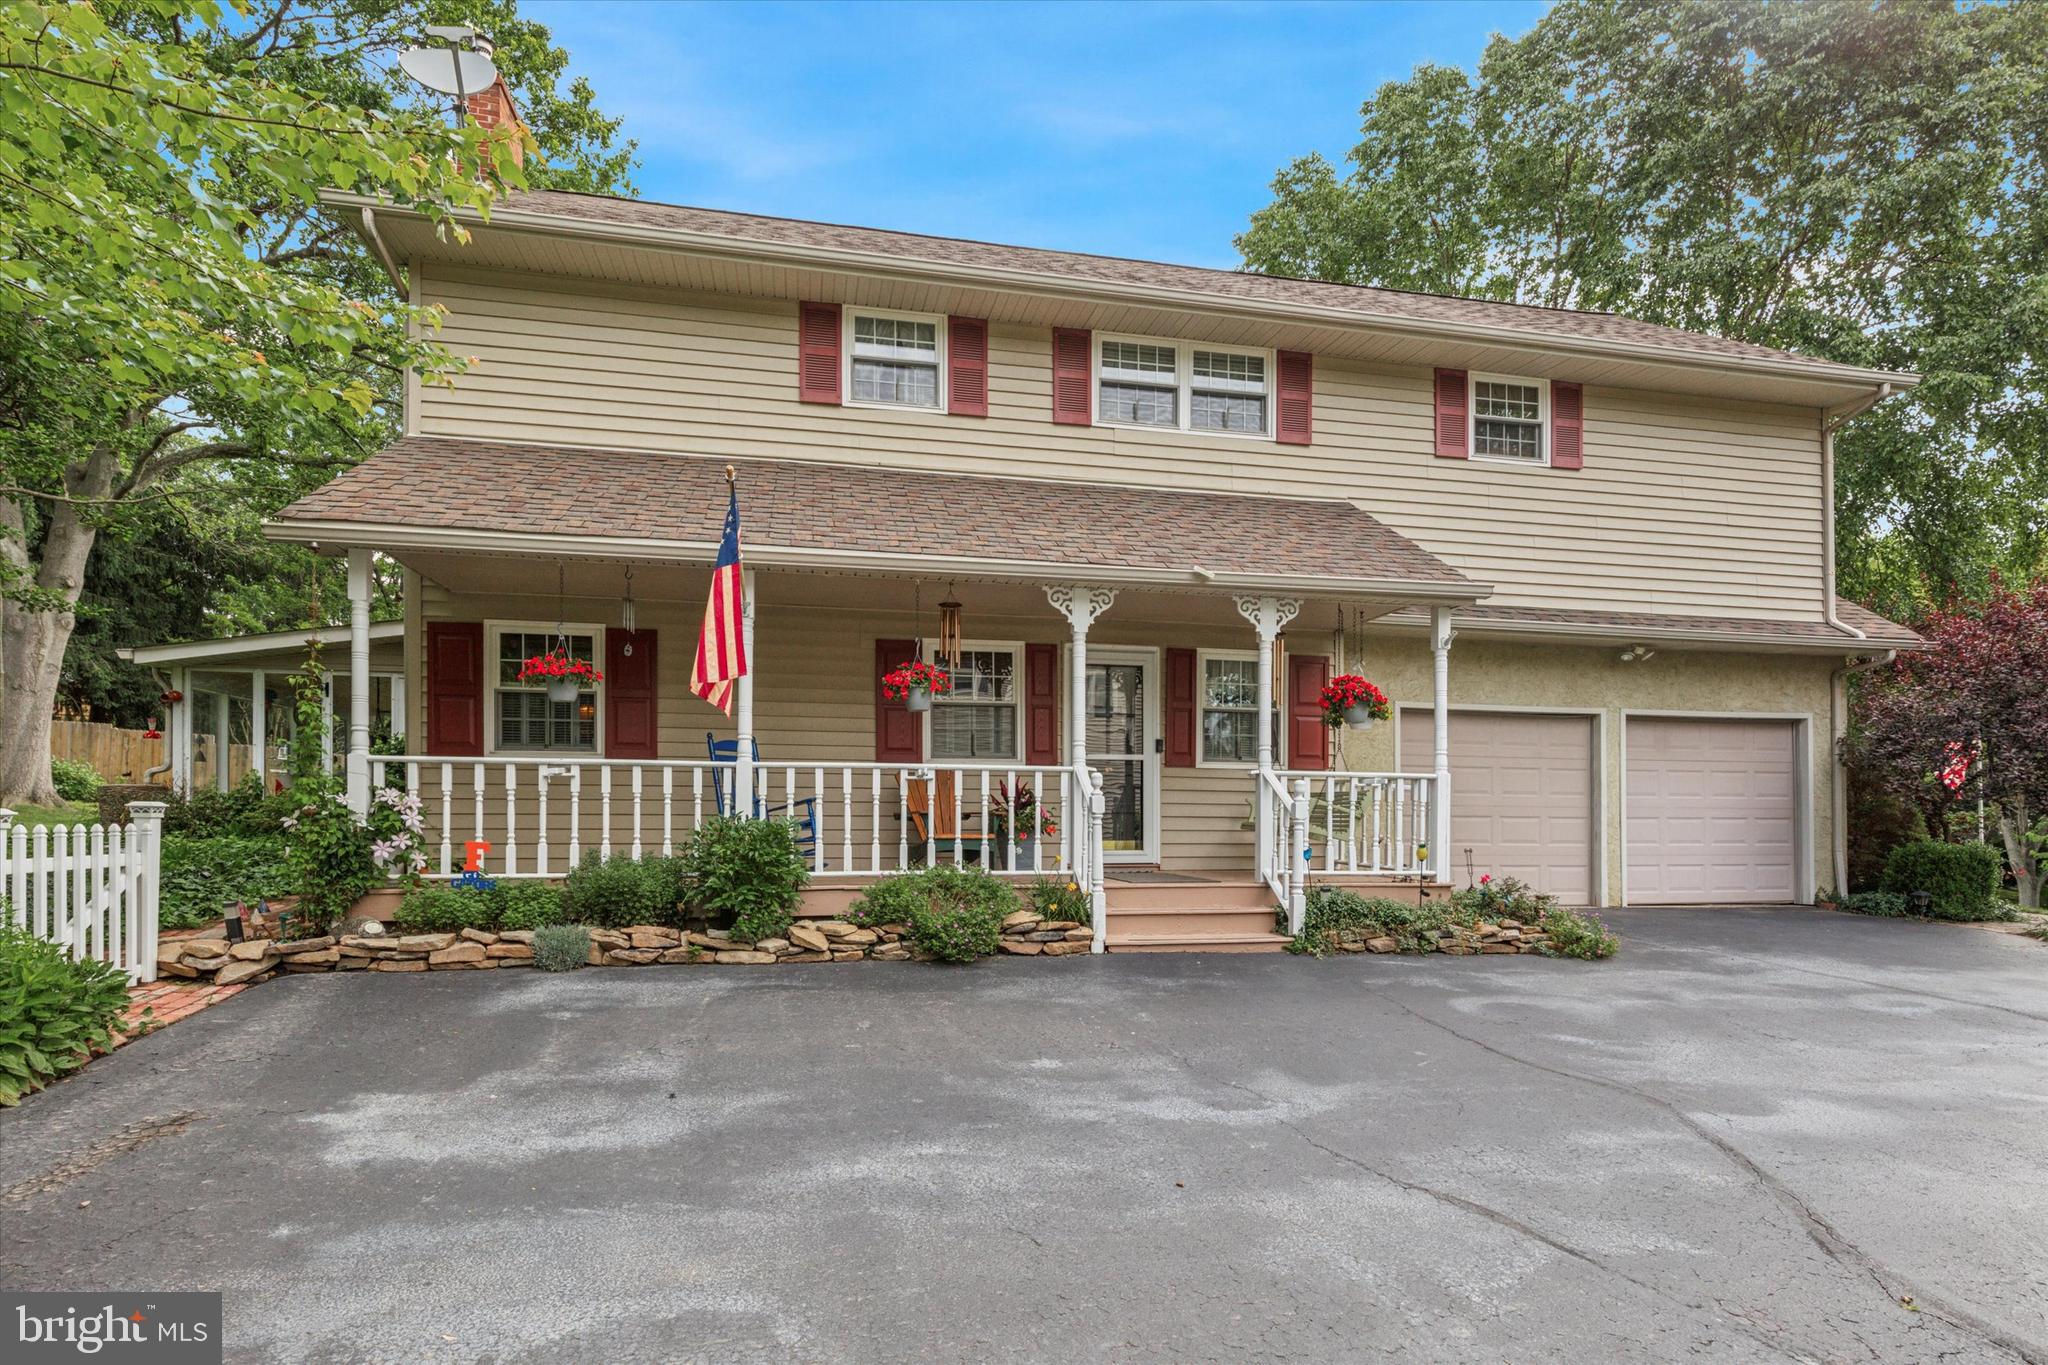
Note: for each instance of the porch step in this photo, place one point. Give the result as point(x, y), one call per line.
point(1166, 921)
point(1195, 943)
point(1237, 894)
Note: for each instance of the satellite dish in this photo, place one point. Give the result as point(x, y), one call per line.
point(452, 71)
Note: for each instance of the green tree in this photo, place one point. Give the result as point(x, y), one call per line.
point(180, 320)
point(1852, 180)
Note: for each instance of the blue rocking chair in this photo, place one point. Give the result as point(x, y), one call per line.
point(802, 812)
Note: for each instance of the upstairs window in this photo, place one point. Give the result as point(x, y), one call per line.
point(894, 360)
point(1177, 387)
point(1508, 418)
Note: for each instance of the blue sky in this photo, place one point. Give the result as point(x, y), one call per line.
point(1147, 130)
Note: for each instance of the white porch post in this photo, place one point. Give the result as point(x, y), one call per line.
point(1440, 636)
point(1269, 616)
point(259, 728)
point(178, 724)
point(399, 725)
point(221, 711)
point(1081, 603)
point(358, 768)
point(743, 705)
point(327, 724)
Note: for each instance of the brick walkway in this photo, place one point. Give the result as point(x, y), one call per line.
point(170, 1000)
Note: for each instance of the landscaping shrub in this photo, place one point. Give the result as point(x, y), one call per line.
point(560, 947)
point(75, 780)
point(329, 856)
point(1498, 898)
point(53, 1010)
point(746, 874)
point(1329, 911)
point(244, 810)
point(442, 909)
point(529, 905)
point(1576, 933)
point(1963, 879)
point(1056, 898)
point(203, 877)
point(954, 913)
point(614, 892)
point(1888, 903)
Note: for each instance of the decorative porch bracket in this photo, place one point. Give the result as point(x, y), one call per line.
point(1269, 616)
point(1081, 603)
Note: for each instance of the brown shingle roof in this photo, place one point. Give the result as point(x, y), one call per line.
point(1656, 625)
point(1082, 268)
point(788, 505)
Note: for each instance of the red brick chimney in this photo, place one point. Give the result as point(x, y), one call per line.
point(493, 108)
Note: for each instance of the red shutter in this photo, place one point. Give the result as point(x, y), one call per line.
point(817, 352)
point(1072, 354)
point(1042, 704)
point(455, 687)
point(967, 367)
point(899, 734)
point(1308, 739)
point(1453, 433)
point(1567, 426)
point(1183, 711)
point(631, 714)
point(1297, 407)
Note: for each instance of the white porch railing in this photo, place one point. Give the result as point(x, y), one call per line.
point(1372, 823)
point(91, 888)
point(1281, 820)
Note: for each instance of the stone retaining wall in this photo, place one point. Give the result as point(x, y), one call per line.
point(1506, 936)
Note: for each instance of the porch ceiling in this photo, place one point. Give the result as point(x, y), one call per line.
point(431, 495)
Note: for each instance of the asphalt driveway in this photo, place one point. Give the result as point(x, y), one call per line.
point(1758, 1135)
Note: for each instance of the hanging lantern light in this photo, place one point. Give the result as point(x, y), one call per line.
point(949, 630)
point(627, 616)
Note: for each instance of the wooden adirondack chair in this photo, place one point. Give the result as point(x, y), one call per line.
point(938, 827)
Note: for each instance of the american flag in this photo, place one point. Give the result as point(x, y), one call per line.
point(721, 648)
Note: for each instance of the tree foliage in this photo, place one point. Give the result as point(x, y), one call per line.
point(1968, 718)
point(1854, 180)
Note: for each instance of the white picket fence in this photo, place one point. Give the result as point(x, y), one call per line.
point(92, 888)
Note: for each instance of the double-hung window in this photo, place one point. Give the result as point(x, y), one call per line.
point(976, 722)
point(1508, 418)
point(1230, 709)
point(1176, 386)
point(522, 717)
point(894, 360)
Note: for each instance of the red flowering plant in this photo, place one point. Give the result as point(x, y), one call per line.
point(915, 676)
point(558, 665)
point(1348, 691)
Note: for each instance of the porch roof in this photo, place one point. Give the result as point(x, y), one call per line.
point(1698, 632)
point(492, 496)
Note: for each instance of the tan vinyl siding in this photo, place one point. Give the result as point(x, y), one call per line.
point(1686, 505)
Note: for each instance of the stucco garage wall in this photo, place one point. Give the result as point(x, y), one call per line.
point(1574, 678)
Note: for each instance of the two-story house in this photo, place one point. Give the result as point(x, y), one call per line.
point(1162, 505)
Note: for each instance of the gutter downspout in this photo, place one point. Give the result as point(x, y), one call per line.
point(165, 766)
point(1838, 787)
point(1831, 420)
point(384, 252)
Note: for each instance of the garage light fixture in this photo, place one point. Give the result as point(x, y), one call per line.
point(1637, 653)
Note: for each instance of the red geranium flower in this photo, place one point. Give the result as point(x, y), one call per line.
point(1347, 690)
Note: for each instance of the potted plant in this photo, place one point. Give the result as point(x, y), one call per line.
point(1350, 700)
point(565, 674)
point(915, 684)
point(1018, 810)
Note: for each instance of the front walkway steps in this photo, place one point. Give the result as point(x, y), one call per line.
point(1223, 912)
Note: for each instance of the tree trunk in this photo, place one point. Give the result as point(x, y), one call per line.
point(2014, 823)
point(33, 642)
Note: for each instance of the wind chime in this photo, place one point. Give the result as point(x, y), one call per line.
point(626, 616)
point(949, 630)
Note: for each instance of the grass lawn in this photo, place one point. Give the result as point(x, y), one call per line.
point(63, 813)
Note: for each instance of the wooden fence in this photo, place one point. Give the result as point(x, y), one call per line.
point(125, 755)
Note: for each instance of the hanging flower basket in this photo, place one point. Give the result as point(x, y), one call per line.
point(1350, 700)
point(915, 684)
point(565, 674)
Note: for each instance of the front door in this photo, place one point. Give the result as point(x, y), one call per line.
point(1122, 730)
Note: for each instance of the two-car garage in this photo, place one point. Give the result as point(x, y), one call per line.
point(1711, 805)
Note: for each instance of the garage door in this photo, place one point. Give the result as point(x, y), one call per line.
point(1521, 795)
point(1712, 811)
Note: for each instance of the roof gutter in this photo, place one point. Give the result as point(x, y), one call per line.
point(838, 260)
point(615, 549)
point(1832, 419)
point(369, 218)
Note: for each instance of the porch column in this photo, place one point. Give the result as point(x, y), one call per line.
point(399, 725)
point(1441, 634)
point(222, 704)
point(259, 728)
point(178, 725)
point(1080, 603)
point(1269, 616)
point(358, 769)
point(743, 705)
point(327, 724)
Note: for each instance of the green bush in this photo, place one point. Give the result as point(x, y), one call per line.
point(203, 877)
point(1576, 933)
point(747, 874)
point(1329, 912)
point(1058, 898)
point(1499, 898)
point(75, 780)
point(53, 1010)
point(443, 909)
point(529, 904)
point(328, 853)
point(1887, 903)
point(244, 810)
point(615, 892)
point(1962, 879)
point(954, 913)
point(560, 947)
